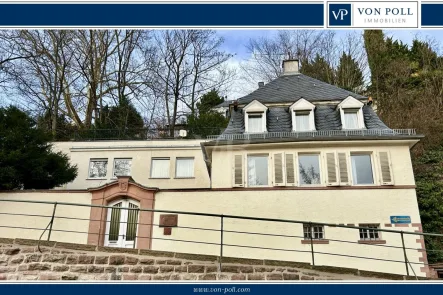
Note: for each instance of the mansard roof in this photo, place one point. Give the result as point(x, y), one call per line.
point(327, 117)
point(290, 88)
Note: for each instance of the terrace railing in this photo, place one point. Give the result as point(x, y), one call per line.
point(319, 133)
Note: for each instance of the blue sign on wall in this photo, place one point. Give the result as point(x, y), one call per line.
point(400, 219)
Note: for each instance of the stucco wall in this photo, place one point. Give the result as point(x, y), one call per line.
point(141, 153)
point(222, 158)
point(330, 206)
point(13, 226)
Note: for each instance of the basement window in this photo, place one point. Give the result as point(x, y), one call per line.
point(317, 232)
point(369, 232)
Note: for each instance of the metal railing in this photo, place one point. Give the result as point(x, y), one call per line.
point(135, 134)
point(313, 134)
point(222, 243)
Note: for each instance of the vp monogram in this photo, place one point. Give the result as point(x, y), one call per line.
point(341, 13)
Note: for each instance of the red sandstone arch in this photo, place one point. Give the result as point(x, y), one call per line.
point(123, 187)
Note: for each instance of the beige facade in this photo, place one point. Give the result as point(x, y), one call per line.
point(347, 206)
point(334, 203)
point(28, 220)
point(141, 154)
point(399, 154)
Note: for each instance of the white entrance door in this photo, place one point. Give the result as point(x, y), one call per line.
point(121, 224)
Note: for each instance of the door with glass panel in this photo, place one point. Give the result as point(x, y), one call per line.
point(121, 225)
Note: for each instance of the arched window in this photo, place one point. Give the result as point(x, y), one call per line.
point(122, 223)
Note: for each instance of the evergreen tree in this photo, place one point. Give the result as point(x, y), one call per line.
point(349, 75)
point(319, 69)
point(207, 121)
point(26, 158)
point(65, 130)
point(121, 121)
point(407, 84)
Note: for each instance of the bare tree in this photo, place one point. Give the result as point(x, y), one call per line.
point(41, 69)
point(267, 53)
point(189, 64)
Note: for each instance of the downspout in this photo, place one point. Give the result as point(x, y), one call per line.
point(207, 162)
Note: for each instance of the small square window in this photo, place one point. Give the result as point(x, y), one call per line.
point(122, 167)
point(98, 168)
point(309, 169)
point(369, 232)
point(362, 169)
point(351, 119)
point(257, 170)
point(184, 168)
point(316, 231)
point(160, 168)
point(255, 123)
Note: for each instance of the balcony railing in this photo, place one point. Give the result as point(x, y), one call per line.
point(313, 134)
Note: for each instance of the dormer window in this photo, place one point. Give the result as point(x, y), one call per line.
point(255, 123)
point(302, 116)
point(351, 119)
point(302, 121)
point(351, 114)
point(255, 117)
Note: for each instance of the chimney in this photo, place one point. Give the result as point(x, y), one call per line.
point(261, 84)
point(290, 67)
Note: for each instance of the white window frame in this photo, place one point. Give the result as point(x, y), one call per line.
point(193, 166)
point(302, 105)
point(255, 108)
point(121, 241)
point(312, 230)
point(261, 115)
point(308, 153)
point(98, 160)
point(246, 169)
point(351, 171)
point(348, 104)
point(169, 167)
point(113, 167)
point(371, 227)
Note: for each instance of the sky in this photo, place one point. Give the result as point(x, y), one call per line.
point(235, 43)
point(235, 40)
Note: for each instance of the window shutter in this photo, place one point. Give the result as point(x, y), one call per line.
point(331, 169)
point(343, 168)
point(279, 173)
point(291, 178)
point(238, 171)
point(385, 168)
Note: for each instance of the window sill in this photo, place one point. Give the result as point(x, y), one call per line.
point(372, 242)
point(308, 242)
point(159, 177)
point(184, 177)
point(96, 179)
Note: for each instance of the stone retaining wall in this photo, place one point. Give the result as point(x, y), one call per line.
point(22, 259)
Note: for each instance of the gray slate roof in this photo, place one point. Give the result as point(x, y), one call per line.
point(290, 88)
point(327, 117)
point(224, 104)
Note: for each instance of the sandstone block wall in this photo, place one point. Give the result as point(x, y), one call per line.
point(22, 259)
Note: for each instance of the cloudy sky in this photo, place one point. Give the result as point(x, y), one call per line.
point(235, 41)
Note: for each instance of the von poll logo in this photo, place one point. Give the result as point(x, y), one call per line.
point(340, 14)
point(376, 14)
